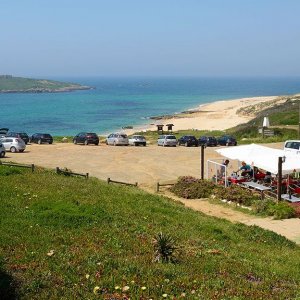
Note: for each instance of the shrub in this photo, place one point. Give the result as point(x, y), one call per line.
point(281, 210)
point(235, 194)
point(164, 247)
point(192, 188)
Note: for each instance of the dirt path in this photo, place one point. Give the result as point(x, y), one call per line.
point(290, 228)
point(145, 165)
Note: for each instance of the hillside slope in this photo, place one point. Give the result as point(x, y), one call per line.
point(70, 238)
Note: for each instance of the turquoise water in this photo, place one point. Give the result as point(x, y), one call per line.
point(118, 102)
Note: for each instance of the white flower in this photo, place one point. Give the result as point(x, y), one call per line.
point(165, 295)
point(125, 288)
point(50, 253)
point(87, 276)
point(143, 288)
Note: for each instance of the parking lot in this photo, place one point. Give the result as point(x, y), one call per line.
point(145, 165)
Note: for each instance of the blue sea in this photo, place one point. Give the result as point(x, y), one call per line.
point(118, 102)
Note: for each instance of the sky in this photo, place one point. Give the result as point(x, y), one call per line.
point(150, 38)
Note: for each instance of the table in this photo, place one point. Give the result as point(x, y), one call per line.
point(256, 186)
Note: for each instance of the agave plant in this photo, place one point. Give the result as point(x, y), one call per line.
point(164, 247)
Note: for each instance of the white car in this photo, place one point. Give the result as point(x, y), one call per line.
point(2, 150)
point(292, 146)
point(137, 140)
point(116, 139)
point(13, 144)
point(167, 140)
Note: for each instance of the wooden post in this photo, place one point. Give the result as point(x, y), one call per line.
point(279, 178)
point(87, 175)
point(57, 170)
point(32, 168)
point(157, 187)
point(202, 162)
point(108, 180)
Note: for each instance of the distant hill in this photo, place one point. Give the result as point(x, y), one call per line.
point(10, 84)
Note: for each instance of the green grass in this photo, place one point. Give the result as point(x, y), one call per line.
point(107, 232)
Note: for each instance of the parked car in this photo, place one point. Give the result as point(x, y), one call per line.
point(22, 135)
point(86, 138)
point(137, 140)
point(292, 146)
point(2, 150)
point(117, 139)
point(208, 141)
point(13, 144)
point(41, 138)
point(188, 140)
point(3, 132)
point(227, 140)
point(167, 140)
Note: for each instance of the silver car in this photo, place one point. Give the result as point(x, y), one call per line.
point(167, 140)
point(13, 144)
point(2, 150)
point(137, 140)
point(117, 139)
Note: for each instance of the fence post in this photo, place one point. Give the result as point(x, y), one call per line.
point(32, 168)
point(57, 170)
point(108, 180)
point(87, 175)
point(136, 184)
point(157, 187)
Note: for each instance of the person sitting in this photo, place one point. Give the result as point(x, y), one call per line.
point(246, 170)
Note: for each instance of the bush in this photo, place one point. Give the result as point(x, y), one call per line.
point(192, 188)
point(235, 194)
point(281, 210)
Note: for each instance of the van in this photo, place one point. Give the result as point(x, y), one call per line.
point(292, 146)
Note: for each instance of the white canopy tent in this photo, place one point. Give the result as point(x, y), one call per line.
point(262, 157)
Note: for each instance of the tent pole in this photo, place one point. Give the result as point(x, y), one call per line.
point(279, 179)
point(202, 162)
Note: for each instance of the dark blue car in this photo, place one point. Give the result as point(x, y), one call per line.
point(227, 140)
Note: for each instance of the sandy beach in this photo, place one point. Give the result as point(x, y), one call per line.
point(219, 115)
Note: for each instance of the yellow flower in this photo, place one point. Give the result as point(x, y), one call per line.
point(96, 290)
point(87, 276)
point(117, 287)
point(165, 295)
point(143, 288)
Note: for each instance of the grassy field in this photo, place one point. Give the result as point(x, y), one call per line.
point(71, 238)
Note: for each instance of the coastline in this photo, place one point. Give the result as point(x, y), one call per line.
point(218, 115)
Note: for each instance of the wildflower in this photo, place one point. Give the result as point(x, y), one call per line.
point(50, 253)
point(132, 282)
point(125, 288)
point(167, 280)
point(165, 295)
point(193, 291)
point(182, 295)
point(98, 263)
point(143, 288)
point(87, 276)
point(117, 287)
point(96, 290)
